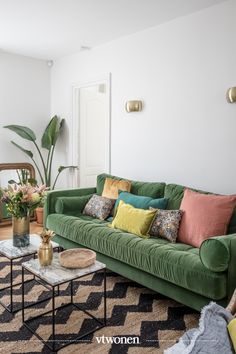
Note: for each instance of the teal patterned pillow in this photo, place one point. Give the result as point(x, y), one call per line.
point(166, 224)
point(99, 207)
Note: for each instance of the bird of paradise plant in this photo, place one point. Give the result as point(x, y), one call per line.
point(48, 142)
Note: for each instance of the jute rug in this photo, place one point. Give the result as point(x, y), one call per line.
point(139, 320)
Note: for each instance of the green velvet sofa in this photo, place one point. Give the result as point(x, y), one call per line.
point(186, 274)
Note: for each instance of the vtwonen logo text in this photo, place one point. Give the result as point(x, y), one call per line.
point(118, 340)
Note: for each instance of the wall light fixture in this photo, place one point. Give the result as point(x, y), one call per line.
point(231, 95)
point(133, 106)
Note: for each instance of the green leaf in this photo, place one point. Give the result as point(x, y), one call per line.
point(32, 181)
point(11, 181)
point(24, 132)
point(62, 168)
point(27, 152)
point(58, 130)
point(51, 132)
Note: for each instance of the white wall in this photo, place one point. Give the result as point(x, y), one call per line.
point(181, 70)
point(24, 100)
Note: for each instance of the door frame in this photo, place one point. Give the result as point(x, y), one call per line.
point(75, 124)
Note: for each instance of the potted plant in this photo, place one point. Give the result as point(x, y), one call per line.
point(48, 142)
point(39, 211)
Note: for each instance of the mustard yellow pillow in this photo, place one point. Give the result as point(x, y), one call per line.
point(112, 186)
point(232, 332)
point(130, 219)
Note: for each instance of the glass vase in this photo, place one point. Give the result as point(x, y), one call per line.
point(21, 231)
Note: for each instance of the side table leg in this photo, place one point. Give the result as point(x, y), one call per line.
point(23, 295)
point(11, 289)
point(71, 291)
point(105, 297)
point(34, 258)
point(53, 319)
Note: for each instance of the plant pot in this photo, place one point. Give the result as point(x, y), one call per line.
point(21, 231)
point(39, 215)
point(45, 253)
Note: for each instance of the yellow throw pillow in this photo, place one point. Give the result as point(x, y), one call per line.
point(112, 186)
point(232, 332)
point(133, 220)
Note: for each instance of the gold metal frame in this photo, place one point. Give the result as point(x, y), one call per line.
point(15, 166)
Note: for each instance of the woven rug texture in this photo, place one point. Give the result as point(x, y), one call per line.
point(138, 319)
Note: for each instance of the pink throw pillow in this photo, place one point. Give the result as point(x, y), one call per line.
point(204, 216)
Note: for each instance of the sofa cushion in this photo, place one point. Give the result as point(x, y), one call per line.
point(177, 263)
point(134, 220)
point(148, 189)
point(204, 216)
point(166, 224)
point(141, 202)
point(99, 207)
point(112, 187)
point(215, 254)
point(174, 193)
point(71, 205)
point(232, 332)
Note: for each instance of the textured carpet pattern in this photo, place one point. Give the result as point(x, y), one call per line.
point(153, 321)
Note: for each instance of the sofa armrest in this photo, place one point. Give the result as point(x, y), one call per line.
point(52, 196)
point(215, 253)
point(71, 205)
point(219, 254)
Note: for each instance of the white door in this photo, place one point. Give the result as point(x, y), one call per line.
point(94, 133)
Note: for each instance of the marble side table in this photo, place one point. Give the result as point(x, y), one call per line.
point(54, 276)
point(7, 250)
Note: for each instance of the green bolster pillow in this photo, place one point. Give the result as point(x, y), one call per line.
point(215, 253)
point(71, 205)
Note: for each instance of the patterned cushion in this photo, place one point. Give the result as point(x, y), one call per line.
point(99, 207)
point(166, 224)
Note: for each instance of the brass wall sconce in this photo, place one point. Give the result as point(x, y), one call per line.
point(133, 106)
point(231, 95)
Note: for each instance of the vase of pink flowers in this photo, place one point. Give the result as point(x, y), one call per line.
point(21, 231)
point(21, 200)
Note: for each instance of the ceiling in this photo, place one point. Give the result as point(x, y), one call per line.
point(49, 29)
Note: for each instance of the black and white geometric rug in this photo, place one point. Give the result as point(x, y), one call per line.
point(139, 320)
